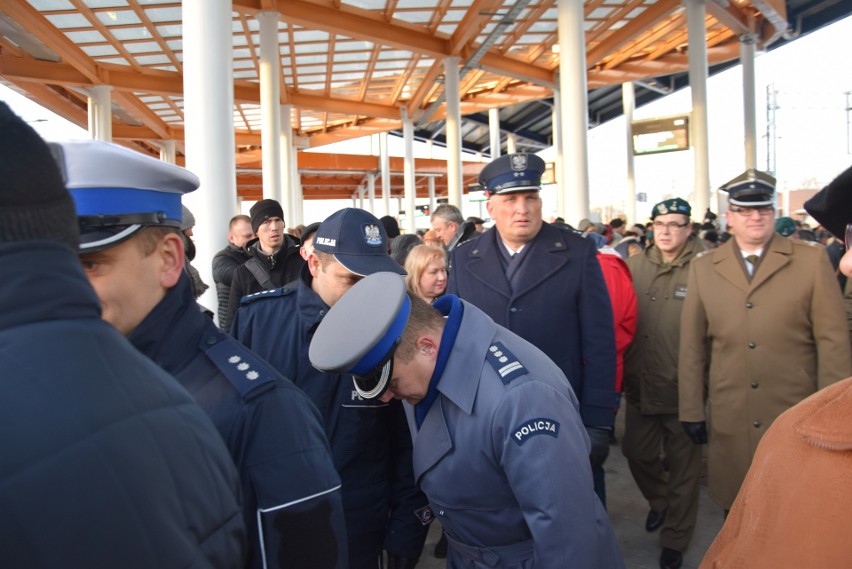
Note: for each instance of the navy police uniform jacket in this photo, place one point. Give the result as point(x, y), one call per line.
point(560, 305)
point(291, 493)
point(106, 462)
point(369, 440)
point(503, 455)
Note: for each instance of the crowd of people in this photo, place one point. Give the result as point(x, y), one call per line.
point(358, 384)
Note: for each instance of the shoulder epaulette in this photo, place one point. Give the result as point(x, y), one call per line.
point(242, 368)
point(504, 362)
point(275, 292)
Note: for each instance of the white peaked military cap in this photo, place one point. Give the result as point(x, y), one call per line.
point(360, 333)
point(117, 191)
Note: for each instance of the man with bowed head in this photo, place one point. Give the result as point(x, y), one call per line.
point(544, 283)
point(499, 447)
point(226, 261)
point(106, 461)
point(129, 208)
point(369, 442)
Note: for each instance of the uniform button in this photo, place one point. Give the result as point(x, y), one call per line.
point(441, 512)
point(752, 345)
point(756, 424)
point(322, 312)
point(513, 310)
point(653, 298)
point(754, 385)
point(749, 305)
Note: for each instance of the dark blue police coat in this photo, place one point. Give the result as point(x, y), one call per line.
point(560, 305)
point(369, 440)
point(291, 492)
point(105, 461)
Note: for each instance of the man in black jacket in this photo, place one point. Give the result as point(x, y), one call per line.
point(226, 261)
point(275, 260)
point(107, 462)
point(133, 256)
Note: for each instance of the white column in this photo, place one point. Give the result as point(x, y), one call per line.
point(384, 163)
point(208, 88)
point(698, 83)
point(432, 204)
point(408, 172)
point(361, 197)
point(628, 103)
point(749, 100)
point(270, 104)
point(558, 174)
point(287, 175)
point(494, 132)
point(101, 102)
point(574, 109)
point(168, 152)
point(510, 143)
point(298, 216)
point(371, 192)
point(453, 122)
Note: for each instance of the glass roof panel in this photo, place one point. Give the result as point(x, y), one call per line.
point(99, 50)
point(175, 45)
point(157, 15)
point(348, 67)
point(64, 21)
point(310, 35)
point(86, 37)
point(353, 45)
point(453, 16)
point(166, 67)
point(242, 53)
point(461, 3)
point(172, 31)
point(349, 57)
point(394, 64)
point(395, 54)
point(106, 3)
point(142, 47)
point(599, 13)
point(367, 4)
point(135, 33)
point(152, 59)
point(421, 4)
point(115, 60)
point(302, 48)
point(347, 76)
point(419, 17)
point(47, 5)
point(243, 64)
point(118, 18)
point(311, 59)
point(304, 70)
point(250, 74)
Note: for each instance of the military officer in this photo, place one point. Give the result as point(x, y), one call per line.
point(762, 328)
point(650, 383)
point(499, 446)
point(129, 209)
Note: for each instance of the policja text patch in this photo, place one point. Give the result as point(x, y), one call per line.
point(533, 427)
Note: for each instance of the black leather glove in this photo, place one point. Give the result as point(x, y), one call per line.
point(599, 437)
point(397, 562)
point(697, 432)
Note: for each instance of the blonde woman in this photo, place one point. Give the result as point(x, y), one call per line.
point(426, 266)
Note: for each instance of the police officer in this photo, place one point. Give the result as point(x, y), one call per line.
point(129, 213)
point(544, 283)
point(369, 439)
point(499, 447)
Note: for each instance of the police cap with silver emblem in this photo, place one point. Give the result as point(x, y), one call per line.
point(360, 333)
point(119, 191)
point(752, 188)
point(357, 240)
point(512, 173)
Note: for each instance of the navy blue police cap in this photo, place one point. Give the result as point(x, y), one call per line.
point(512, 173)
point(118, 191)
point(358, 241)
point(361, 332)
point(752, 188)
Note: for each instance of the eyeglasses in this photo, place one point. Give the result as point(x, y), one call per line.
point(763, 210)
point(847, 240)
point(671, 226)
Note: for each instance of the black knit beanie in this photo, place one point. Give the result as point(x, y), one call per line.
point(263, 210)
point(34, 204)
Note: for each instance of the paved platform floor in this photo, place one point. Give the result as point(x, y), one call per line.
point(627, 512)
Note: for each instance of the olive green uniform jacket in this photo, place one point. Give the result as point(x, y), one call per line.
point(650, 365)
point(755, 348)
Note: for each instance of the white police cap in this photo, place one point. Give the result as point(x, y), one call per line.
point(117, 191)
point(360, 333)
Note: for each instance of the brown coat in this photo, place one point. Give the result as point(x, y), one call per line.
point(795, 506)
point(755, 349)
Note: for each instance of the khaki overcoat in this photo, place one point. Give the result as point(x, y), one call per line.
point(755, 348)
point(650, 364)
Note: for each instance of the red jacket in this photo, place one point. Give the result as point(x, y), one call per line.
point(619, 283)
